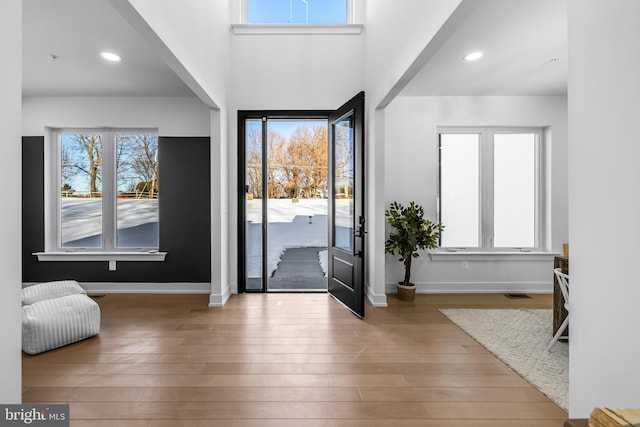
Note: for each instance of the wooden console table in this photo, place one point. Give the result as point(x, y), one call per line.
point(559, 312)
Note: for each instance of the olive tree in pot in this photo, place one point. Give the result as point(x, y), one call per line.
point(412, 232)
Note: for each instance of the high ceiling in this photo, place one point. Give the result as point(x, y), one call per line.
point(524, 44)
point(525, 52)
point(76, 31)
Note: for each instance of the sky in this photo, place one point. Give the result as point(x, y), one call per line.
point(295, 11)
point(285, 127)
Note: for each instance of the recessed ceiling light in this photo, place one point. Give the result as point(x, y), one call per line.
point(473, 56)
point(110, 56)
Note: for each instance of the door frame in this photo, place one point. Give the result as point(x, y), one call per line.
point(244, 115)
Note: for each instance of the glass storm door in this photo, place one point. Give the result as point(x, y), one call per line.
point(284, 204)
point(346, 204)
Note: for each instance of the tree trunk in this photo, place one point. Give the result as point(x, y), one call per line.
point(92, 181)
point(407, 271)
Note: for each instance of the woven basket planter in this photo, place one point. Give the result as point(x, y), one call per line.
point(406, 293)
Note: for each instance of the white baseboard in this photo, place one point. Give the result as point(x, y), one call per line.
point(219, 300)
point(215, 300)
point(477, 287)
point(144, 288)
point(376, 300)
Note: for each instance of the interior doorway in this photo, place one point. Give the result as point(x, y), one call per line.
point(285, 201)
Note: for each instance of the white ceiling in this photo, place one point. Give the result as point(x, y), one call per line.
point(519, 39)
point(76, 31)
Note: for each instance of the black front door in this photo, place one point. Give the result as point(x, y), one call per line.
point(346, 205)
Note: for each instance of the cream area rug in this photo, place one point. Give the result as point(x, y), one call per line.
point(519, 338)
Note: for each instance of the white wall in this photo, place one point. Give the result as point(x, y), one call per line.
point(411, 156)
point(395, 37)
point(220, 231)
point(604, 204)
point(314, 71)
point(194, 40)
point(197, 34)
point(396, 34)
point(10, 215)
point(185, 116)
point(288, 72)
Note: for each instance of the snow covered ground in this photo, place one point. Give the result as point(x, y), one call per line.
point(82, 221)
point(291, 225)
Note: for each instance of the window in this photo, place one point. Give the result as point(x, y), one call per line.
point(489, 188)
point(298, 11)
point(107, 198)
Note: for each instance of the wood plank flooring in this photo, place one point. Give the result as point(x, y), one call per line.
point(286, 360)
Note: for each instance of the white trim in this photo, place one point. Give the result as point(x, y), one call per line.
point(486, 191)
point(448, 255)
point(51, 180)
point(310, 29)
point(143, 288)
point(100, 256)
point(478, 287)
point(376, 300)
point(52, 198)
point(219, 300)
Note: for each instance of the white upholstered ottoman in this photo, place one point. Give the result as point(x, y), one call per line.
point(56, 314)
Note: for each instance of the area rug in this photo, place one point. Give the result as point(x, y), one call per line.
point(519, 338)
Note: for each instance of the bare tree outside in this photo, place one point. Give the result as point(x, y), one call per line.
point(137, 164)
point(135, 179)
point(276, 177)
point(82, 157)
point(343, 159)
point(254, 163)
point(306, 165)
point(297, 165)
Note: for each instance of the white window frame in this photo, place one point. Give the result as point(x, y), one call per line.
point(240, 25)
point(53, 250)
point(245, 14)
point(486, 190)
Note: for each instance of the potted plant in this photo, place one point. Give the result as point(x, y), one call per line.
point(412, 232)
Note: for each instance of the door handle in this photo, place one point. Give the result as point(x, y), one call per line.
point(361, 231)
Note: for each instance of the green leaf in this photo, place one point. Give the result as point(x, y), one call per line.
point(411, 233)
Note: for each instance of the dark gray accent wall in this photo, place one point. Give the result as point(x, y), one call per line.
point(185, 219)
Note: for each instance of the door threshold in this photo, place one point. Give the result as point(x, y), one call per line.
point(297, 291)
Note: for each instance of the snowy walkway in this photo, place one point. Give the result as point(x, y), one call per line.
point(299, 269)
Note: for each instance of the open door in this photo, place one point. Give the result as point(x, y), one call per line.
point(346, 205)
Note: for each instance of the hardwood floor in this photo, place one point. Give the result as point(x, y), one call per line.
point(286, 360)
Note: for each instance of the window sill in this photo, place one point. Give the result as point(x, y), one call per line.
point(272, 29)
point(101, 256)
point(443, 255)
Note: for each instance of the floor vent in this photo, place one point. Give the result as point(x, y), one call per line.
point(517, 296)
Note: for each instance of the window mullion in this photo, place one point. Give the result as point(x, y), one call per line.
point(487, 195)
point(539, 182)
point(53, 193)
point(108, 190)
point(351, 13)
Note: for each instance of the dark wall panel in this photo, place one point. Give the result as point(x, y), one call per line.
point(185, 219)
